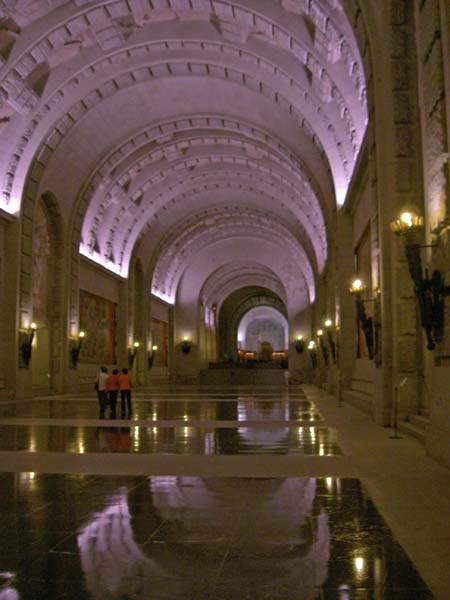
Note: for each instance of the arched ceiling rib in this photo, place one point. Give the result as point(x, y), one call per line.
point(226, 251)
point(226, 280)
point(205, 229)
point(196, 165)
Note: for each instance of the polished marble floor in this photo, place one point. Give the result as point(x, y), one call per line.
point(241, 409)
point(78, 536)
point(219, 509)
point(170, 440)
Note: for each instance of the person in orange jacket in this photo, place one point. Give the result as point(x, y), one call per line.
point(125, 386)
point(112, 389)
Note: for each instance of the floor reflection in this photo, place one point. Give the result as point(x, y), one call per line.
point(111, 538)
point(236, 410)
point(207, 526)
point(182, 439)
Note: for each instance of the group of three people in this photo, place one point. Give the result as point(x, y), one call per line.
point(108, 388)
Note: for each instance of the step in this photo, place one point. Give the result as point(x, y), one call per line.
point(359, 400)
point(412, 430)
point(419, 421)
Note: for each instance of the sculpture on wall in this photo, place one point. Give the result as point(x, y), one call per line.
point(429, 291)
point(357, 288)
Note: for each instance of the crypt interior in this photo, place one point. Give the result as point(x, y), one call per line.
point(247, 204)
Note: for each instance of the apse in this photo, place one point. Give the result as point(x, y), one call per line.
point(263, 324)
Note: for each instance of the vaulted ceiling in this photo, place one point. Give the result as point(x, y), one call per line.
point(168, 129)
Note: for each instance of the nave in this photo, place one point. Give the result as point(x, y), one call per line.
point(217, 493)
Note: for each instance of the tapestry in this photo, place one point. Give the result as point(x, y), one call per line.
point(98, 320)
point(159, 338)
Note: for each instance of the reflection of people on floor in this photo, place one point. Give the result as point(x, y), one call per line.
point(112, 389)
point(124, 439)
point(113, 439)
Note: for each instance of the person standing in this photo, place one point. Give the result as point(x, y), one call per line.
point(125, 386)
point(101, 390)
point(112, 389)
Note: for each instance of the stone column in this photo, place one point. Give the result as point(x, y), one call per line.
point(433, 41)
point(9, 252)
point(346, 314)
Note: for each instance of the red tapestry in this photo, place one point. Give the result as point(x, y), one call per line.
point(98, 320)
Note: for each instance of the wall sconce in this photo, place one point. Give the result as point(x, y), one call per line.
point(151, 356)
point(299, 344)
point(26, 345)
point(323, 346)
point(186, 345)
point(328, 323)
point(357, 288)
point(313, 353)
point(76, 348)
point(430, 291)
point(132, 354)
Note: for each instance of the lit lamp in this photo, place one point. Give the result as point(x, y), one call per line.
point(186, 345)
point(328, 326)
point(76, 348)
point(430, 291)
point(27, 343)
point(132, 354)
point(151, 356)
point(407, 223)
point(356, 289)
point(299, 344)
point(323, 346)
point(313, 353)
